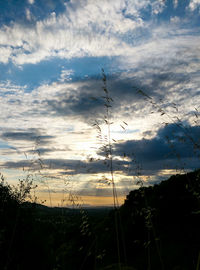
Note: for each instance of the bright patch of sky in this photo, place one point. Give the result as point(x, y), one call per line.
point(51, 55)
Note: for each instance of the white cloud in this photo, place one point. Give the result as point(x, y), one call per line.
point(31, 2)
point(175, 3)
point(168, 43)
point(5, 53)
point(66, 75)
point(194, 4)
point(28, 14)
point(158, 6)
point(175, 19)
point(86, 28)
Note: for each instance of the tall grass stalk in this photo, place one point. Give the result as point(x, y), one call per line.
point(109, 154)
point(108, 105)
point(108, 150)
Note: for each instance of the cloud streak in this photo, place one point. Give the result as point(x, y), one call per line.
point(26, 136)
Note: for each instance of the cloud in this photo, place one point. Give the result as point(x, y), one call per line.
point(194, 4)
point(29, 111)
point(166, 85)
point(158, 6)
point(173, 146)
point(28, 14)
point(85, 28)
point(175, 3)
point(64, 166)
point(83, 98)
point(5, 53)
point(31, 135)
point(77, 99)
point(31, 2)
point(75, 33)
point(66, 75)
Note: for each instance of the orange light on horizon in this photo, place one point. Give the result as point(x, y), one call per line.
point(57, 199)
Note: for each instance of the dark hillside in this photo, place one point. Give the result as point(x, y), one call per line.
point(165, 219)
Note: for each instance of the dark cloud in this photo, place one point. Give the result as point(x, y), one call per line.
point(30, 135)
point(174, 145)
point(81, 104)
point(16, 164)
point(87, 101)
point(84, 167)
point(65, 166)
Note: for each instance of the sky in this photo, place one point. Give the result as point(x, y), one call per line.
point(52, 54)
